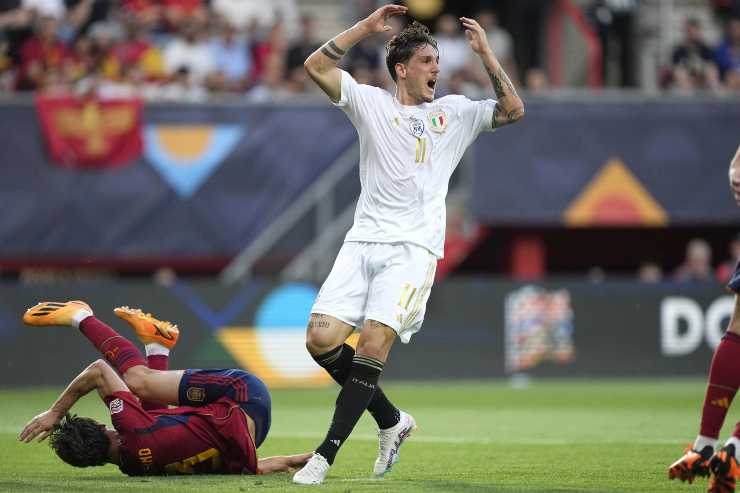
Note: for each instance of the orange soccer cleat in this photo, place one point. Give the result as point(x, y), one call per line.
point(148, 328)
point(693, 463)
point(56, 313)
point(725, 471)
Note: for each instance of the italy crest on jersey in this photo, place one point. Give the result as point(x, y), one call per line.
point(416, 127)
point(438, 121)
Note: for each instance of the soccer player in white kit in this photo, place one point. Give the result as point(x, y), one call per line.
point(410, 144)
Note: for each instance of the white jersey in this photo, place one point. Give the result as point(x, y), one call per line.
point(407, 155)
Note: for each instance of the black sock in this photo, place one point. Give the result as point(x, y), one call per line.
point(353, 399)
point(338, 363)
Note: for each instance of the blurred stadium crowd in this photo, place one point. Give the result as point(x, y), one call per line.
point(190, 50)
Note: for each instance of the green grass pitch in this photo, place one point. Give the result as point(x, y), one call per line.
point(474, 437)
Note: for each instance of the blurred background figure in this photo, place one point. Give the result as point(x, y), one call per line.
point(614, 21)
point(697, 265)
point(728, 55)
point(232, 58)
point(453, 48)
point(693, 65)
point(727, 267)
point(535, 81)
point(650, 273)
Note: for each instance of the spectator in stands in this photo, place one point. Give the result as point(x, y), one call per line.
point(138, 50)
point(47, 8)
point(693, 64)
point(535, 81)
point(41, 53)
point(303, 46)
point(147, 12)
point(7, 72)
point(727, 55)
point(614, 21)
point(528, 27)
point(697, 266)
point(15, 26)
point(232, 59)
point(175, 12)
point(500, 41)
point(189, 51)
point(726, 268)
point(182, 87)
point(649, 273)
point(263, 15)
point(270, 86)
point(453, 47)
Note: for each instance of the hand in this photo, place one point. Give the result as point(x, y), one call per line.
point(295, 462)
point(376, 22)
point(476, 35)
point(735, 183)
point(41, 426)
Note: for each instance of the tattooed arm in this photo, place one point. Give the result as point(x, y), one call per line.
point(321, 65)
point(509, 107)
point(735, 176)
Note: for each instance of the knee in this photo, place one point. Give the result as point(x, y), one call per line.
point(136, 381)
point(317, 343)
point(321, 337)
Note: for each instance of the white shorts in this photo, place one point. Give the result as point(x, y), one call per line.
point(386, 282)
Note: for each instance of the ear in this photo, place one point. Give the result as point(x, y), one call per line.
point(400, 70)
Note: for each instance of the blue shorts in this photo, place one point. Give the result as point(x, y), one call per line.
point(734, 283)
point(202, 387)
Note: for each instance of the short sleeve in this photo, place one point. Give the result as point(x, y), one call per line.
point(355, 99)
point(126, 413)
point(477, 115)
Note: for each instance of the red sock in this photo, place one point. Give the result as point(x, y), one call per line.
point(118, 350)
point(724, 380)
point(156, 362)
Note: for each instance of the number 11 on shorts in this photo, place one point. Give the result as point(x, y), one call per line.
point(406, 296)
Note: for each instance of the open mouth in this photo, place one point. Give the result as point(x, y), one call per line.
point(431, 83)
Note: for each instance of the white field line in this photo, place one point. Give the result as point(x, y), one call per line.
point(422, 438)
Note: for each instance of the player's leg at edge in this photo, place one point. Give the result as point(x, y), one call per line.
point(702, 458)
point(342, 362)
point(325, 338)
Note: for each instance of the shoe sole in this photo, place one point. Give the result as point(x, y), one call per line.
point(135, 316)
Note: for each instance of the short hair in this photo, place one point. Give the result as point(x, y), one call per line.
point(80, 442)
point(401, 47)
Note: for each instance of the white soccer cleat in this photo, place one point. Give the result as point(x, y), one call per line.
point(389, 441)
point(313, 472)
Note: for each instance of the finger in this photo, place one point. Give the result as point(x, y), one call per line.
point(44, 436)
point(394, 9)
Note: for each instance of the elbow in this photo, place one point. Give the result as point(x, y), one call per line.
point(311, 66)
point(517, 112)
point(96, 366)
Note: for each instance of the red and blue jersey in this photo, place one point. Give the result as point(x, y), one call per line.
point(213, 438)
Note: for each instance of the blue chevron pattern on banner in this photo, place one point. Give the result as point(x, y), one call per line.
point(186, 155)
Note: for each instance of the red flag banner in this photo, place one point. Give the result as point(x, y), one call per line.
point(91, 133)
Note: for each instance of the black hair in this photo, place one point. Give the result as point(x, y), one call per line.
point(80, 442)
point(401, 47)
